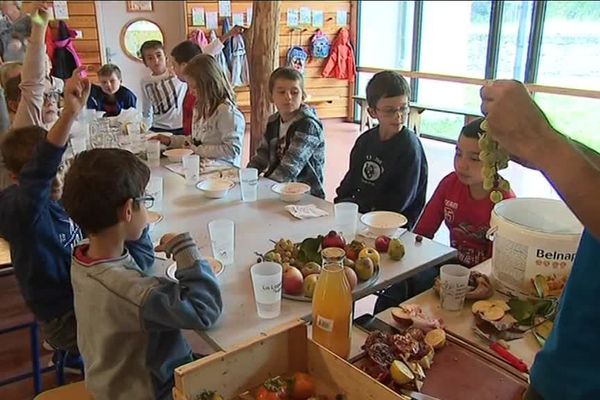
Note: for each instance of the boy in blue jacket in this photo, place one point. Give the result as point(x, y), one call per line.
point(388, 168)
point(39, 230)
point(128, 321)
point(111, 96)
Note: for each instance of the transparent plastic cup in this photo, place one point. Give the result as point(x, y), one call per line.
point(249, 183)
point(222, 238)
point(266, 282)
point(346, 219)
point(454, 285)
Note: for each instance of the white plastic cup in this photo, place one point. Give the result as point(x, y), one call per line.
point(454, 285)
point(266, 281)
point(191, 169)
point(346, 219)
point(155, 189)
point(222, 238)
point(79, 144)
point(153, 153)
point(249, 184)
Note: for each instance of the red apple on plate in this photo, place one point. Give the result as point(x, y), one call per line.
point(382, 243)
point(351, 276)
point(293, 282)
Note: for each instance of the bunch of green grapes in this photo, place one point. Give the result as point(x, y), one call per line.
point(494, 159)
point(287, 250)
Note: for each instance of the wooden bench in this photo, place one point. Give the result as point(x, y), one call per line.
point(414, 115)
point(311, 100)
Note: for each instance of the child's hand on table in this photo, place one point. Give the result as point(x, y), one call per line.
point(163, 139)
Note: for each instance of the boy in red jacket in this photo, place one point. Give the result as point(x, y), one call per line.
point(464, 205)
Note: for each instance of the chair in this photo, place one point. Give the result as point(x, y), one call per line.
point(72, 391)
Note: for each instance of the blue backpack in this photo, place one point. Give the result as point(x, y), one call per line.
point(319, 45)
point(296, 58)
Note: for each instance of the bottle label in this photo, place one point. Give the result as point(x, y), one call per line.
point(325, 324)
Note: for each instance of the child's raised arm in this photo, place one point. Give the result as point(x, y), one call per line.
point(29, 110)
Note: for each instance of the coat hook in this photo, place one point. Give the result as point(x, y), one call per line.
point(330, 19)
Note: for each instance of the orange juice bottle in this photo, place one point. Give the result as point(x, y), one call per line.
point(332, 305)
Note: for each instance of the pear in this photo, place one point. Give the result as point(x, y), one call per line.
point(396, 250)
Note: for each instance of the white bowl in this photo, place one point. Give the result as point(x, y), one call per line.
point(383, 222)
point(291, 192)
point(175, 155)
point(215, 188)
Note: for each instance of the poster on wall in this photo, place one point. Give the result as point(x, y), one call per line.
point(238, 19)
point(212, 20)
point(341, 17)
point(224, 8)
point(61, 10)
point(317, 18)
point(292, 17)
point(137, 6)
point(198, 16)
point(305, 16)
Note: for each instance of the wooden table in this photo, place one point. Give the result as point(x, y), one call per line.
point(185, 209)
point(5, 260)
point(460, 323)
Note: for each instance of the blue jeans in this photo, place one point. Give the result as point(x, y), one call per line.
point(406, 289)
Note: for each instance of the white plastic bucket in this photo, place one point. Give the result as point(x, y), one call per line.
point(531, 236)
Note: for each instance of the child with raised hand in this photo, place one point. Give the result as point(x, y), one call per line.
point(40, 232)
point(218, 125)
point(388, 167)
point(162, 92)
point(116, 302)
point(293, 146)
point(462, 203)
point(110, 97)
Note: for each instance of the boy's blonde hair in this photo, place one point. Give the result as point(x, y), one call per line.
point(212, 86)
point(6, 69)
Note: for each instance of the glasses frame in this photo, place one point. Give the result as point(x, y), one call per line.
point(146, 199)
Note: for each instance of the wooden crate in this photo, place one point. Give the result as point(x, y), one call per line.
point(282, 351)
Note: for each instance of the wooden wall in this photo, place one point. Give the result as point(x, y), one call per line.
point(315, 84)
point(82, 17)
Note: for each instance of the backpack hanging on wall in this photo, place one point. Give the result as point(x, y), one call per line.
point(296, 55)
point(319, 45)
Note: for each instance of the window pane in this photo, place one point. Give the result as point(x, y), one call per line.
point(442, 125)
point(570, 53)
point(451, 95)
point(455, 35)
point(577, 117)
point(386, 24)
point(514, 38)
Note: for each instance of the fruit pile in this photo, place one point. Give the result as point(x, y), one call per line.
point(494, 158)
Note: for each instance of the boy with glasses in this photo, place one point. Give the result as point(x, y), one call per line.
point(388, 168)
point(128, 321)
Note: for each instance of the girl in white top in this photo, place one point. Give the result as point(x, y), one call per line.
point(218, 125)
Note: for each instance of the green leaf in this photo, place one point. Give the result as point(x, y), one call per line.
point(309, 250)
point(522, 310)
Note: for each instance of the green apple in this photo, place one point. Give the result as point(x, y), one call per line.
point(396, 250)
point(310, 282)
point(371, 253)
point(364, 268)
point(310, 268)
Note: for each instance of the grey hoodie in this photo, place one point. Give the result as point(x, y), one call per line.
point(128, 323)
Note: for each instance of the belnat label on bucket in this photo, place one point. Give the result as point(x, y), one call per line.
point(534, 237)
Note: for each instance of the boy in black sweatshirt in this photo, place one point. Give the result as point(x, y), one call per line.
point(388, 168)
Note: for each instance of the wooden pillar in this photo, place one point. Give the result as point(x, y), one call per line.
point(263, 44)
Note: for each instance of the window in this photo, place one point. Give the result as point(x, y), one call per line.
point(570, 52)
point(386, 34)
point(455, 36)
point(577, 117)
point(514, 39)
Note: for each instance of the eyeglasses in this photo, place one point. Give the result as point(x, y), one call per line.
point(146, 199)
point(391, 112)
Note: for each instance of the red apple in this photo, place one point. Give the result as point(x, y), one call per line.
point(333, 239)
point(292, 281)
point(402, 318)
point(351, 276)
point(382, 243)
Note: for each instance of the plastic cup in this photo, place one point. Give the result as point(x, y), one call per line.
point(266, 281)
point(155, 189)
point(346, 218)
point(249, 184)
point(222, 238)
point(454, 285)
point(153, 153)
point(191, 169)
point(79, 144)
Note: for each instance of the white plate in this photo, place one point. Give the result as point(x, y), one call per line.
point(216, 265)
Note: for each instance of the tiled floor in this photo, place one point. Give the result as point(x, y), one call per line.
point(340, 137)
